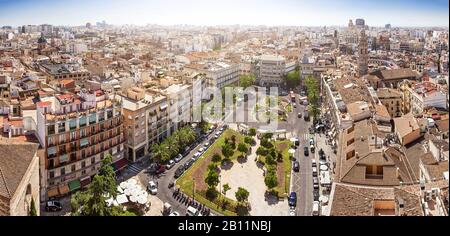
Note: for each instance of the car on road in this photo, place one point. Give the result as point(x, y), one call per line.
point(160, 170)
point(53, 206)
point(174, 214)
point(152, 187)
point(306, 116)
point(313, 163)
point(296, 166)
point(314, 171)
point(295, 105)
point(311, 141)
point(315, 208)
point(178, 158)
point(299, 115)
point(170, 164)
point(292, 212)
point(292, 199)
point(179, 172)
point(313, 149)
point(306, 151)
point(315, 183)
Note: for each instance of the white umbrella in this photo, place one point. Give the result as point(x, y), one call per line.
point(144, 194)
point(115, 203)
point(119, 189)
point(123, 185)
point(133, 198)
point(121, 199)
point(135, 192)
point(323, 199)
point(132, 181)
point(142, 200)
point(128, 191)
point(291, 151)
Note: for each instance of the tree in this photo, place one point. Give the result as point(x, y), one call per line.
point(92, 201)
point(270, 159)
point(242, 195)
point(172, 145)
point(293, 79)
point(313, 96)
point(32, 208)
point(212, 167)
point(216, 158)
point(247, 80)
point(212, 179)
point(249, 140)
point(266, 143)
point(252, 132)
point(227, 151)
point(160, 152)
point(261, 151)
point(242, 148)
point(226, 188)
point(270, 180)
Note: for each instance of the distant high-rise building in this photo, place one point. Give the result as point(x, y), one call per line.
point(350, 24)
point(88, 25)
point(387, 26)
point(360, 23)
point(363, 54)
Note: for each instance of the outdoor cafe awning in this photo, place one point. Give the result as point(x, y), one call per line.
point(85, 181)
point(53, 192)
point(74, 185)
point(64, 189)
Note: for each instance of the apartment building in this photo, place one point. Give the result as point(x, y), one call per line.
point(179, 99)
point(64, 71)
point(221, 74)
point(392, 100)
point(145, 121)
point(272, 69)
point(424, 95)
point(76, 132)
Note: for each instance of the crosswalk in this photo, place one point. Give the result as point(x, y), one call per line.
point(134, 169)
point(304, 137)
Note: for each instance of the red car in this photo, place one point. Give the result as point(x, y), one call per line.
point(161, 170)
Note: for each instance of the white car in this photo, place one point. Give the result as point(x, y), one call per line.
point(315, 208)
point(152, 187)
point(292, 212)
point(174, 214)
point(170, 164)
point(311, 141)
point(206, 145)
point(197, 155)
point(221, 129)
point(314, 163)
point(191, 211)
point(201, 150)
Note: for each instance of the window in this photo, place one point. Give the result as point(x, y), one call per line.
point(73, 124)
point(83, 132)
point(62, 127)
point(50, 141)
point(63, 171)
point(62, 138)
point(92, 118)
point(51, 174)
point(350, 154)
point(63, 158)
point(83, 121)
point(73, 168)
point(83, 164)
point(92, 160)
point(50, 129)
point(350, 142)
point(72, 135)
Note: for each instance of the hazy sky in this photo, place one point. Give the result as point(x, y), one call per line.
point(225, 12)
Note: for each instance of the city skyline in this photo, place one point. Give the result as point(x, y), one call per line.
point(400, 13)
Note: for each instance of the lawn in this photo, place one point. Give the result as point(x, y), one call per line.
point(198, 173)
point(283, 169)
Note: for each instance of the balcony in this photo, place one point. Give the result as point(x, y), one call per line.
point(374, 176)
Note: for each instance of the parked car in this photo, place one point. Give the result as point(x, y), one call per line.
point(170, 164)
point(201, 150)
point(293, 199)
point(316, 194)
point(188, 164)
point(53, 206)
point(314, 171)
point(221, 129)
point(314, 163)
point(306, 151)
point(197, 155)
point(316, 183)
point(179, 172)
point(178, 158)
point(206, 145)
point(174, 214)
point(191, 211)
point(152, 187)
point(296, 166)
point(315, 208)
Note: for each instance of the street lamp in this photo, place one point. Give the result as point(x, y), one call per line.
point(193, 190)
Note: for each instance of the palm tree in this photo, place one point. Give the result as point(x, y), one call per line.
point(172, 146)
point(160, 152)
